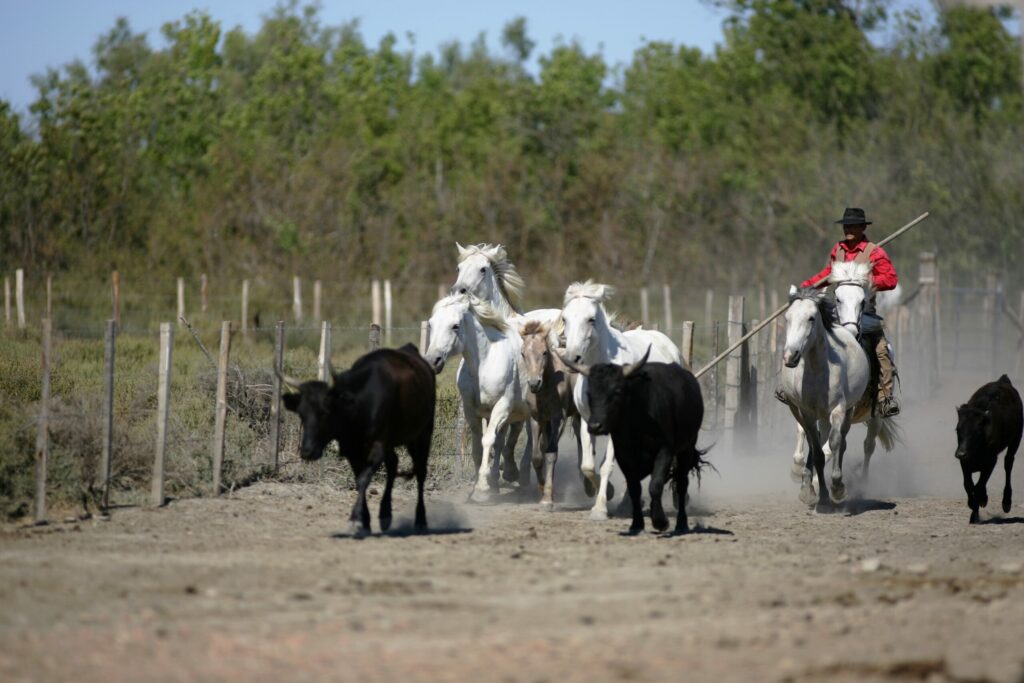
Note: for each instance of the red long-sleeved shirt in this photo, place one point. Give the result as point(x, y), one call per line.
point(883, 275)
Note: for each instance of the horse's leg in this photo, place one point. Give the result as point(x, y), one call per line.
point(538, 430)
point(588, 445)
point(806, 477)
point(528, 454)
point(799, 466)
point(818, 458)
point(1011, 453)
point(599, 512)
point(550, 458)
point(510, 472)
point(495, 425)
point(873, 424)
point(473, 420)
point(500, 439)
point(840, 426)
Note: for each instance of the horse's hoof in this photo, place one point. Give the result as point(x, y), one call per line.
point(838, 493)
point(546, 505)
point(385, 523)
point(599, 515)
point(510, 476)
point(660, 523)
point(588, 487)
point(797, 472)
point(480, 496)
point(357, 530)
point(635, 530)
point(975, 517)
point(807, 495)
point(1007, 504)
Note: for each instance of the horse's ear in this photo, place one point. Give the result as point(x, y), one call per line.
point(462, 250)
point(792, 292)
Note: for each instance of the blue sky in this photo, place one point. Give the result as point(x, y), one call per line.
point(36, 34)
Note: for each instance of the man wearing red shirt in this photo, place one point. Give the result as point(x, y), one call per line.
point(856, 247)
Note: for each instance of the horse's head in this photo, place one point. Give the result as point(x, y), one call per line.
point(583, 314)
point(446, 330)
point(475, 272)
point(803, 320)
point(853, 288)
point(536, 355)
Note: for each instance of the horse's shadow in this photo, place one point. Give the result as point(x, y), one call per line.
point(858, 506)
point(404, 531)
point(695, 530)
point(1002, 520)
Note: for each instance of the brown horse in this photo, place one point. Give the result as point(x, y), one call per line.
point(550, 400)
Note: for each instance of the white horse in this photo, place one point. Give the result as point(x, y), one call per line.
point(486, 272)
point(590, 339)
point(852, 289)
point(824, 376)
point(490, 381)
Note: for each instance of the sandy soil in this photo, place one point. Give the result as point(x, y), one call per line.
point(260, 585)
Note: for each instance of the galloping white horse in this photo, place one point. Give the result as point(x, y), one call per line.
point(490, 381)
point(852, 289)
point(824, 376)
point(590, 339)
point(486, 272)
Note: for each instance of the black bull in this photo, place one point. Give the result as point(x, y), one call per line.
point(653, 412)
point(385, 400)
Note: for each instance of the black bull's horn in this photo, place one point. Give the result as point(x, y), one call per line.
point(288, 382)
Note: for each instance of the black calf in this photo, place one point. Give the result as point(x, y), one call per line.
point(991, 421)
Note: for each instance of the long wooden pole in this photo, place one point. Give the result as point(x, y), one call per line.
point(221, 413)
point(109, 346)
point(43, 436)
point(163, 407)
point(782, 309)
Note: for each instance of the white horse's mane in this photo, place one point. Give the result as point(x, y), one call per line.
point(510, 283)
point(852, 272)
point(588, 290)
point(486, 313)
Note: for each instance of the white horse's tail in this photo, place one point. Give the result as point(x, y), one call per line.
point(889, 433)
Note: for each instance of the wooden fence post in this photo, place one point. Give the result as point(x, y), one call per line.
point(43, 435)
point(19, 296)
point(109, 346)
point(317, 295)
point(275, 399)
point(709, 302)
point(715, 348)
point(666, 296)
point(424, 336)
point(115, 292)
point(645, 313)
point(181, 301)
point(687, 344)
point(204, 293)
point(375, 302)
point(927, 279)
point(374, 336)
point(7, 301)
point(49, 296)
point(222, 405)
point(245, 307)
point(387, 312)
point(733, 367)
point(442, 291)
point(323, 360)
point(163, 409)
point(297, 299)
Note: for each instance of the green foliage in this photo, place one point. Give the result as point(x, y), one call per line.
point(303, 148)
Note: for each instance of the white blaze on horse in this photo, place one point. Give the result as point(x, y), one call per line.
point(490, 380)
point(853, 289)
point(825, 372)
point(590, 339)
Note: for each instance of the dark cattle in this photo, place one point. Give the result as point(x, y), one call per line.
point(991, 421)
point(653, 412)
point(385, 400)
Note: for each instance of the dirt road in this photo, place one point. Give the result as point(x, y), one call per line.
point(258, 586)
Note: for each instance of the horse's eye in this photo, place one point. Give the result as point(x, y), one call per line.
point(455, 328)
point(484, 269)
point(592, 321)
point(811, 319)
point(546, 354)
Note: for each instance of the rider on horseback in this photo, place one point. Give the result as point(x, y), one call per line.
point(856, 247)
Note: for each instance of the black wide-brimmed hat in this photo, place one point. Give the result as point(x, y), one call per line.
point(853, 216)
